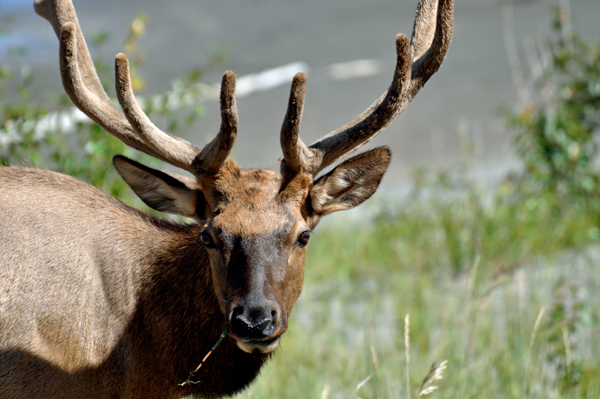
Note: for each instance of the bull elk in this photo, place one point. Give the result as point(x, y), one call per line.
point(101, 300)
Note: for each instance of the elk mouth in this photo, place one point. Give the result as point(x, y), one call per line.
point(263, 346)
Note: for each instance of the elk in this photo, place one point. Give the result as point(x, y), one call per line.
point(101, 300)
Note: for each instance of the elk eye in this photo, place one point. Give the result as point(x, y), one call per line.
point(207, 239)
point(303, 238)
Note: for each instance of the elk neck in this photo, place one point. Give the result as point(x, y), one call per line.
point(179, 317)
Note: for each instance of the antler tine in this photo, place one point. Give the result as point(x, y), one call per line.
point(295, 153)
point(429, 48)
point(416, 63)
point(335, 145)
point(213, 154)
point(79, 76)
point(423, 28)
point(175, 151)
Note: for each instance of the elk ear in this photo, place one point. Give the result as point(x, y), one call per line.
point(350, 183)
point(161, 191)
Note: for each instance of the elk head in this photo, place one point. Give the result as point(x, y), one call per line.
point(255, 224)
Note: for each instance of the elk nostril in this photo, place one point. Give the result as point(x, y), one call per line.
point(237, 312)
point(253, 324)
point(269, 328)
point(261, 325)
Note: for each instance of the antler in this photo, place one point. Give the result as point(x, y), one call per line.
point(416, 63)
point(132, 126)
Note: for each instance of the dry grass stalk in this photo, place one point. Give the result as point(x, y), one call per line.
point(360, 385)
point(567, 348)
point(435, 374)
point(374, 360)
point(325, 392)
point(407, 349)
point(536, 327)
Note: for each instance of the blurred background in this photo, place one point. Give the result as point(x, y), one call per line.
point(482, 246)
point(460, 107)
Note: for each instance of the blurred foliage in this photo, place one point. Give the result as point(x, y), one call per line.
point(59, 139)
point(570, 312)
point(557, 137)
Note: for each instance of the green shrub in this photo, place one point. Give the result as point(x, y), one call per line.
point(557, 136)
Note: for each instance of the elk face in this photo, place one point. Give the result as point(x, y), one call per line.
point(256, 239)
point(255, 228)
point(254, 233)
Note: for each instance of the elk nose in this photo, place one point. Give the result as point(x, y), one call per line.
point(253, 324)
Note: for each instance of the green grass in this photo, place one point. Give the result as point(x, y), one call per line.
point(474, 280)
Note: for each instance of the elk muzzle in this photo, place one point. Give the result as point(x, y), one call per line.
point(256, 325)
